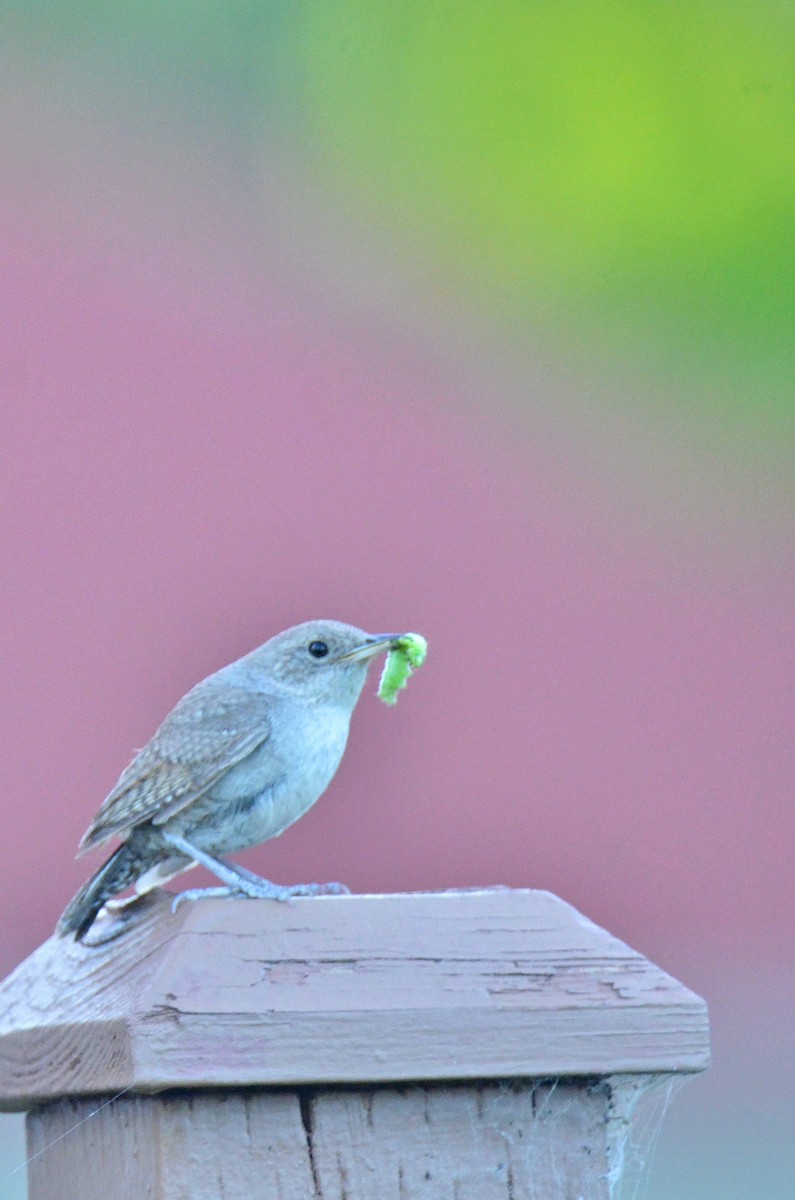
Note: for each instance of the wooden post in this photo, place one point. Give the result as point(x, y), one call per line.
point(471, 1045)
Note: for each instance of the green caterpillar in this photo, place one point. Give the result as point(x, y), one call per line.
point(405, 654)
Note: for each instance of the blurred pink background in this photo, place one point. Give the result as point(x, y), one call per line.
point(604, 713)
point(228, 407)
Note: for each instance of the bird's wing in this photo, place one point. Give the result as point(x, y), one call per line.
point(208, 732)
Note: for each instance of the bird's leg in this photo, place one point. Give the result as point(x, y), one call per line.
point(240, 882)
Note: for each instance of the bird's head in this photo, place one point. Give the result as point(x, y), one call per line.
point(321, 661)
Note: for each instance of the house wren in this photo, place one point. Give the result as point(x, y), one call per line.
point(240, 758)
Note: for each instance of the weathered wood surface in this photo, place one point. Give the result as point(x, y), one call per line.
point(490, 984)
point(517, 1141)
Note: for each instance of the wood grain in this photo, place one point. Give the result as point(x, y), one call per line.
point(489, 984)
point(513, 1141)
point(488, 1142)
point(200, 1147)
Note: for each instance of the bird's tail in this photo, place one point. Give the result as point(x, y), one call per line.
point(122, 868)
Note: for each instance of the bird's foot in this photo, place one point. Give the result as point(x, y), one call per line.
point(252, 887)
point(264, 889)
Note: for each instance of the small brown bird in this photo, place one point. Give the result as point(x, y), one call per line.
point(240, 758)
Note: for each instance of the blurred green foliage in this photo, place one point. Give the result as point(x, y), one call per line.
point(623, 170)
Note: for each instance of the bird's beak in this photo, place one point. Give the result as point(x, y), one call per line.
point(370, 646)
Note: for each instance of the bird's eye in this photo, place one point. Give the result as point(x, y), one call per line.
point(318, 649)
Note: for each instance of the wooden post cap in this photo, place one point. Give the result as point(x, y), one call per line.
point(486, 984)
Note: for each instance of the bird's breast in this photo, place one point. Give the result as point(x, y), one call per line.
point(261, 796)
